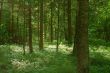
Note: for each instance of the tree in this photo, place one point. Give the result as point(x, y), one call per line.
point(0, 12)
point(1, 4)
point(30, 29)
point(81, 37)
point(69, 22)
point(11, 23)
point(58, 27)
point(25, 26)
point(51, 24)
point(41, 25)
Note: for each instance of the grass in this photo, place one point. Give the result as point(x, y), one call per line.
point(48, 61)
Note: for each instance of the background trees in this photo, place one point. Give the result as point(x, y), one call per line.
point(56, 26)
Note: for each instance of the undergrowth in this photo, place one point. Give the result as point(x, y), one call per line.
point(13, 61)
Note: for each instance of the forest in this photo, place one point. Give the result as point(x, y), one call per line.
point(54, 36)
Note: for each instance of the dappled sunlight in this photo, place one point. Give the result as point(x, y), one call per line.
point(100, 49)
point(17, 48)
point(35, 63)
point(19, 64)
point(52, 46)
point(62, 48)
point(41, 61)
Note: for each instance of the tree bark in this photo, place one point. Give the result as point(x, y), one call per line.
point(51, 24)
point(57, 47)
point(1, 3)
point(30, 31)
point(0, 12)
point(69, 23)
point(41, 26)
point(81, 37)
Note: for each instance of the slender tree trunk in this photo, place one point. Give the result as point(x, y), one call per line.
point(57, 48)
point(38, 19)
point(30, 30)
point(11, 25)
point(41, 25)
point(81, 37)
point(69, 23)
point(1, 19)
point(0, 12)
point(51, 24)
point(64, 19)
point(45, 26)
point(24, 37)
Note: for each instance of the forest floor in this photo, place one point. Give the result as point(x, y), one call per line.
point(48, 61)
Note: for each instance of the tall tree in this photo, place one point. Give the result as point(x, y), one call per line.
point(51, 22)
point(58, 14)
point(11, 23)
point(30, 29)
point(0, 11)
point(1, 4)
point(69, 22)
point(41, 25)
point(38, 16)
point(25, 26)
point(81, 37)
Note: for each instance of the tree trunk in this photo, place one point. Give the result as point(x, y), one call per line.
point(81, 37)
point(30, 31)
point(51, 24)
point(0, 12)
point(69, 23)
point(1, 19)
point(57, 48)
point(41, 26)
point(24, 22)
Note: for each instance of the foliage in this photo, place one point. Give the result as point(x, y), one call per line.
point(14, 35)
point(49, 62)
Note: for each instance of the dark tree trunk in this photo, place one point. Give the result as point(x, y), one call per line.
point(0, 12)
point(41, 26)
point(25, 37)
point(57, 48)
point(38, 16)
point(1, 20)
point(30, 30)
point(81, 37)
point(69, 23)
point(51, 24)
point(64, 19)
point(11, 24)
point(45, 26)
